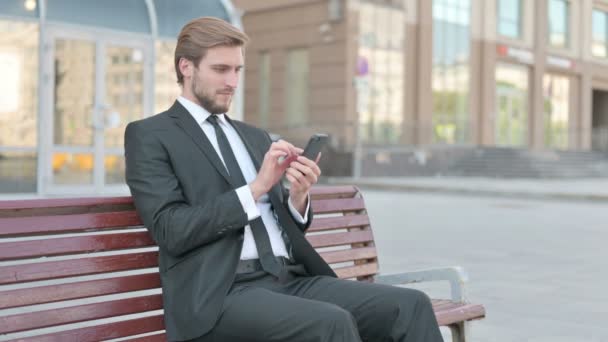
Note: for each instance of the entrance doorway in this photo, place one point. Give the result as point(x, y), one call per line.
point(96, 88)
point(599, 123)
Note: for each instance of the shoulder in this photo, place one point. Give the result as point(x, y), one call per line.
point(251, 130)
point(157, 121)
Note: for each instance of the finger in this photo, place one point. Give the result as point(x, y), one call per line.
point(274, 155)
point(288, 160)
point(318, 158)
point(293, 180)
point(281, 147)
point(305, 178)
point(309, 164)
point(286, 144)
point(295, 183)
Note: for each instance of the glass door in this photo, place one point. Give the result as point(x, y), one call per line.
point(97, 88)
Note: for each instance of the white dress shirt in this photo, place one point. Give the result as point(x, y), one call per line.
point(253, 209)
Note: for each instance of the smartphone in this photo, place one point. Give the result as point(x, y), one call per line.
point(315, 145)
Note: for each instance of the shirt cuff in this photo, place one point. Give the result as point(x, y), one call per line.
point(296, 215)
point(248, 203)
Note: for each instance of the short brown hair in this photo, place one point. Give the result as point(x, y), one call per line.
point(201, 34)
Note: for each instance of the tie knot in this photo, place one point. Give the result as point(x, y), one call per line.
point(213, 119)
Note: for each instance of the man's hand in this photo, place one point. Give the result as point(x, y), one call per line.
point(272, 168)
point(302, 174)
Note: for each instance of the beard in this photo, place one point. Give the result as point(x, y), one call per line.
point(208, 101)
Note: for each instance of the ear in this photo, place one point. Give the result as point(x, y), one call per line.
point(186, 67)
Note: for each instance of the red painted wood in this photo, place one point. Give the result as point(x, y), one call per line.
point(75, 244)
point(81, 313)
point(333, 191)
point(91, 288)
point(104, 331)
point(153, 338)
point(338, 222)
point(459, 313)
point(357, 271)
point(76, 267)
point(16, 226)
point(326, 200)
point(337, 205)
point(64, 202)
point(337, 239)
point(349, 255)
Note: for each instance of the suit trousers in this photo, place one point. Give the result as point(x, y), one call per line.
point(261, 308)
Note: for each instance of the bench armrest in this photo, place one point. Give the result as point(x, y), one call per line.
point(455, 275)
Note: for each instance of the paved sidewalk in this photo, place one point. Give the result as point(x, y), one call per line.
point(587, 189)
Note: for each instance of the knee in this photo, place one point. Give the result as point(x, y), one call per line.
point(415, 300)
point(336, 316)
point(338, 325)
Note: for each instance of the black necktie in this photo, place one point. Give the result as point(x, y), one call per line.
point(260, 235)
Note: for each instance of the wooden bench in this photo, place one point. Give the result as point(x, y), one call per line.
point(86, 269)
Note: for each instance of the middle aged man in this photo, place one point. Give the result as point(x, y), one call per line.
point(234, 262)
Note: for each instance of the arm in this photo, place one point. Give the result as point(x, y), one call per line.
point(175, 225)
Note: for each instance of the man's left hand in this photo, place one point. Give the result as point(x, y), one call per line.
point(302, 173)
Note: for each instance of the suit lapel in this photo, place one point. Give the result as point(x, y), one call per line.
point(187, 123)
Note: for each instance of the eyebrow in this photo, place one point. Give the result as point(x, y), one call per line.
point(240, 66)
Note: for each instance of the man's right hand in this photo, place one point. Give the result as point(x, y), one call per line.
point(272, 168)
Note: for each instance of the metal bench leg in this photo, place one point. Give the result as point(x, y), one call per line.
point(460, 332)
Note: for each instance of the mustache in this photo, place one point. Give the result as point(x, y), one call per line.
point(227, 91)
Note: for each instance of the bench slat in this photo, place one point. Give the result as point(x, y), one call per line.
point(347, 221)
point(151, 338)
point(337, 239)
point(77, 290)
point(349, 255)
point(53, 224)
point(327, 206)
point(357, 271)
point(64, 202)
point(337, 191)
point(75, 244)
point(76, 267)
point(81, 313)
point(104, 331)
point(459, 313)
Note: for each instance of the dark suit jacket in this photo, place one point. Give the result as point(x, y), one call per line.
point(184, 196)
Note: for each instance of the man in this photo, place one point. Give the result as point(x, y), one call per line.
point(234, 263)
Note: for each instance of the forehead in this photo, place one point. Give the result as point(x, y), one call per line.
point(228, 55)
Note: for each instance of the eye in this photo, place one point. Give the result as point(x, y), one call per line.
point(221, 68)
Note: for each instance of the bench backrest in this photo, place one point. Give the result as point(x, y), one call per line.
point(70, 267)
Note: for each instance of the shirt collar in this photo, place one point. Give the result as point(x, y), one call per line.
point(199, 113)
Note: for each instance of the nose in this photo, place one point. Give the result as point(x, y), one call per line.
point(232, 80)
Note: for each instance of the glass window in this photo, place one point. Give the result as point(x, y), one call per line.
point(556, 91)
point(18, 106)
point(559, 23)
point(165, 80)
point(599, 40)
point(382, 51)
point(126, 15)
point(451, 51)
point(509, 18)
point(264, 89)
point(511, 119)
point(296, 86)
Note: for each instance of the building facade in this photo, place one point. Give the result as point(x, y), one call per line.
point(74, 74)
point(390, 74)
